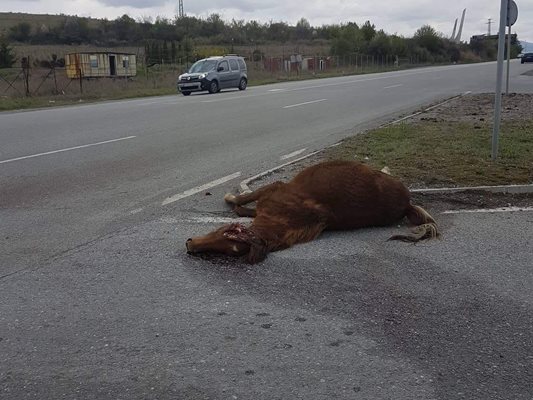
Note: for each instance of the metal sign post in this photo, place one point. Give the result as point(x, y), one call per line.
point(508, 60)
point(512, 16)
point(508, 16)
point(499, 69)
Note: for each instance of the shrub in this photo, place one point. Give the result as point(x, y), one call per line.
point(7, 57)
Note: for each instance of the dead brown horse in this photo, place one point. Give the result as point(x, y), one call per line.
point(328, 196)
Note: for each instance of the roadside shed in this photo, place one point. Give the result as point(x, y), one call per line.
point(100, 65)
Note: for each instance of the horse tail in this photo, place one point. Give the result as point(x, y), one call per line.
point(425, 226)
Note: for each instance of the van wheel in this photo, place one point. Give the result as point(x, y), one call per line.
point(213, 87)
point(185, 93)
point(243, 83)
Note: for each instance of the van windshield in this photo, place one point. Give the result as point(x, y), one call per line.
point(203, 66)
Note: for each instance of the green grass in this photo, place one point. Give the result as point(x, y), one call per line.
point(445, 153)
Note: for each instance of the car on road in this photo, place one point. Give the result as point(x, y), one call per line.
point(213, 74)
point(527, 57)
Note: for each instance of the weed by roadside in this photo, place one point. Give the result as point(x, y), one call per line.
point(445, 153)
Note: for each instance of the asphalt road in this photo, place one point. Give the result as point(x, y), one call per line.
point(99, 300)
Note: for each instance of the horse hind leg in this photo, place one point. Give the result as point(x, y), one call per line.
point(425, 226)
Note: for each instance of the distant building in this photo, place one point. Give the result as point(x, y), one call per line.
point(100, 65)
point(482, 38)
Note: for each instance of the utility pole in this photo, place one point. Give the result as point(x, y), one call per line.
point(489, 24)
point(181, 14)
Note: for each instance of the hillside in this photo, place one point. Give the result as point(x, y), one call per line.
point(171, 40)
point(526, 46)
point(9, 19)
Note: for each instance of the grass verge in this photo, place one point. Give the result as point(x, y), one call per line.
point(431, 154)
point(21, 103)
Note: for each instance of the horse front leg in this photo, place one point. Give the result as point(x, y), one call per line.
point(245, 198)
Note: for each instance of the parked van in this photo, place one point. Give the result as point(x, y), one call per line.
point(213, 74)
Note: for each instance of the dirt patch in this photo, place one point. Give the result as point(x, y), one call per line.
point(479, 108)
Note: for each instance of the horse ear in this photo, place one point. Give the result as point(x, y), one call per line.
point(258, 252)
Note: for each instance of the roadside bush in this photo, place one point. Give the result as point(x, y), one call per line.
point(7, 56)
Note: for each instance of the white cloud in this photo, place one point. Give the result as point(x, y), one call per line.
point(394, 16)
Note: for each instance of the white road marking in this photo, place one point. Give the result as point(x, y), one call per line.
point(303, 104)
point(198, 189)
point(136, 211)
point(293, 154)
point(276, 90)
point(489, 210)
point(393, 86)
point(67, 149)
point(228, 98)
point(151, 102)
point(205, 220)
point(217, 220)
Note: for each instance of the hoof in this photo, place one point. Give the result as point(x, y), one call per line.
point(386, 170)
point(230, 198)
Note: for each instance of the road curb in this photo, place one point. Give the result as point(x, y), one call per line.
point(507, 189)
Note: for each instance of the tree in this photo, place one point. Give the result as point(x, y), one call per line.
point(380, 45)
point(369, 31)
point(303, 29)
point(428, 38)
point(125, 28)
point(278, 31)
point(349, 40)
point(20, 32)
point(75, 30)
point(7, 57)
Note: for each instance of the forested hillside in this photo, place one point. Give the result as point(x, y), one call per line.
point(181, 35)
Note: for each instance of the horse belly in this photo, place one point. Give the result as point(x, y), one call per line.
point(367, 211)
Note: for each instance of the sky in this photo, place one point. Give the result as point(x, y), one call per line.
point(402, 17)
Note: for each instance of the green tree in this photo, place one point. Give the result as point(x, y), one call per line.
point(427, 37)
point(349, 40)
point(399, 46)
point(303, 29)
point(7, 57)
point(380, 45)
point(125, 28)
point(20, 32)
point(278, 31)
point(369, 31)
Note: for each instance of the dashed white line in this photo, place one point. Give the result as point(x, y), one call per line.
point(198, 189)
point(489, 210)
point(393, 86)
point(67, 149)
point(303, 104)
point(293, 154)
point(217, 220)
point(205, 220)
